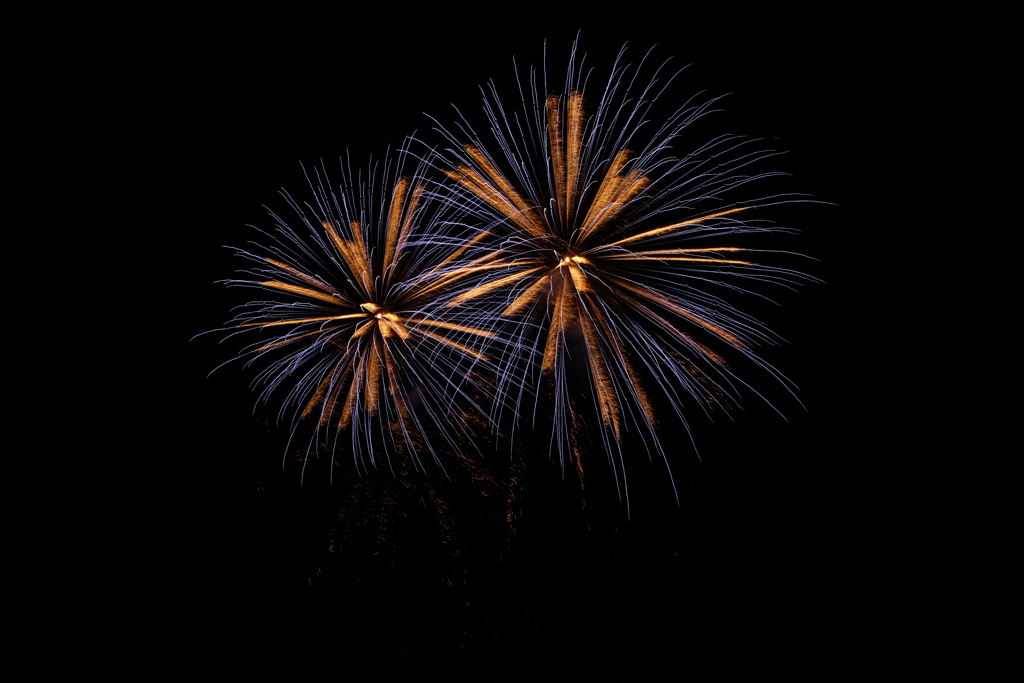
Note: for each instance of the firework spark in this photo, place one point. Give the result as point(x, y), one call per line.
point(603, 253)
point(355, 337)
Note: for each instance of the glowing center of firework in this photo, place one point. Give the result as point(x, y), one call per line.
point(373, 309)
point(569, 259)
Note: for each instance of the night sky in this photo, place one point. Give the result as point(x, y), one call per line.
point(869, 530)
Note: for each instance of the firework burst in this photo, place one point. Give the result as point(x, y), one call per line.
point(613, 258)
point(353, 335)
point(583, 259)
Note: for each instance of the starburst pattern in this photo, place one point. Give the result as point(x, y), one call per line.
point(576, 263)
point(356, 336)
point(602, 253)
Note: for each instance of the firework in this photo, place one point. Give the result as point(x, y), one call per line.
point(352, 334)
point(584, 259)
point(613, 253)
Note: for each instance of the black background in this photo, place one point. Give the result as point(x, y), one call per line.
point(871, 529)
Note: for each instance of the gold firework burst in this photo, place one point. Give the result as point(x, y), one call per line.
point(575, 262)
point(357, 339)
point(585, 253)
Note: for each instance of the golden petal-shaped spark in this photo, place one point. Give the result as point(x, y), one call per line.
point(397, 394)
point(410, 214)
point(667, 255)
point(579, 278)
point(369, 325)
point(532, 293)
point(525, 209)
point(333, 382)
point(395, 220)
point(720, 261)
point(473, 182)
point(394, 323)
point(316, 282)
point(604, 389)
point(353, 253)
point(618, 198)
point(575, 123)
point(499, 193)
point(300, 321)
point(349, 408)
point(304, 291)
point(361, 266)
point(565, 150)
point(613, 340)
point(318, 396)
point(371, 393)
point(674, 330)
point(556, 146)
point(493, 285)
point(678, 255)
point(632, 185)
point(385, 328)
point(671, 305)
point(452, 326)
point(563, 316)
point(401, 218)
point(675, 226)
point(609, 189)
point(446, 281)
